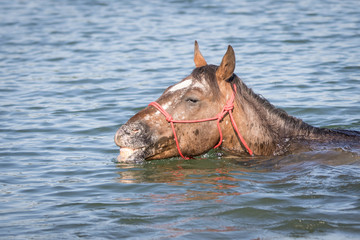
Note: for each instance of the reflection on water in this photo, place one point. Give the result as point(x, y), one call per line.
point(217, 179)
point(264, 192)
point(204, 179)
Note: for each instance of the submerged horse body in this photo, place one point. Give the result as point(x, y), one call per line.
point(163, 128)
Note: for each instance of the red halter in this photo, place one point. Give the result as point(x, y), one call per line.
point(229, 106)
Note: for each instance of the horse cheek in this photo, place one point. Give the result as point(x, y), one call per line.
point(201, 139)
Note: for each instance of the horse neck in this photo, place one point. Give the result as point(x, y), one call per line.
point(263, 125)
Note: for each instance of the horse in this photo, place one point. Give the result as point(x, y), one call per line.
point(213, 107)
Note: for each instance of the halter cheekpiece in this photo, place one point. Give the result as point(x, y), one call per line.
point(227, 109)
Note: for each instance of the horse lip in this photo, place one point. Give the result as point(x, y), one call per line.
point(132, 155)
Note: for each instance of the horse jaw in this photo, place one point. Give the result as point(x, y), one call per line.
point(131, 155)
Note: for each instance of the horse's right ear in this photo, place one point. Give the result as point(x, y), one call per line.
point(227, 65)
point(198, 57)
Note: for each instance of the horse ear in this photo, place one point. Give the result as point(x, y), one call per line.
point(227, 66)
point(198, 57)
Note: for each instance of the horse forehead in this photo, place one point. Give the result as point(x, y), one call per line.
point(203, 85)
point(189, 83)
point(181, 85)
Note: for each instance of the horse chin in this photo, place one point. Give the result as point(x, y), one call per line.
point(130, 155)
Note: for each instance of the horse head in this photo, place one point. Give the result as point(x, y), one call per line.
point(201, 95)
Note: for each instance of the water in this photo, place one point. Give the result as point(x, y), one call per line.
point(71, 72)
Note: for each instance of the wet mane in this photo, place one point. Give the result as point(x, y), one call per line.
point(263, 105)
point(283, 124)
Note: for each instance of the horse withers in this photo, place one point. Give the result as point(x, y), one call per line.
point(212, 107)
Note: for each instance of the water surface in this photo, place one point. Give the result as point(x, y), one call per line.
point(72, 72)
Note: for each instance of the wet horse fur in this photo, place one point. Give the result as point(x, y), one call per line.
point(266, 129)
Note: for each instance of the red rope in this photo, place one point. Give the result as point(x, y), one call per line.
point(227, 109)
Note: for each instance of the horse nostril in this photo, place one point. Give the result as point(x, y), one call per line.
point(135, 130)
point(126, 131)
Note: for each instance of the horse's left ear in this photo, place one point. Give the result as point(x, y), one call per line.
point(198, 57)
point(227, 66)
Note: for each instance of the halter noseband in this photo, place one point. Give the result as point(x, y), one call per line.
point(227, 109)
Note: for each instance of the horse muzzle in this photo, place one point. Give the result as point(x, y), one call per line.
point(133, 140)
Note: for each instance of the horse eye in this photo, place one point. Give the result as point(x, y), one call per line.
point(192, 100)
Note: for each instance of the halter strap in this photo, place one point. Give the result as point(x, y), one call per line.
point(227, 109)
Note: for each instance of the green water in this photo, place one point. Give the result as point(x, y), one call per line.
point(72, 72)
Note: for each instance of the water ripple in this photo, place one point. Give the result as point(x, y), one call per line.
point(71, 72)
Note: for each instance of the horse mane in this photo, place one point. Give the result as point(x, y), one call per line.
point(283, 124)
point(276, 118)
